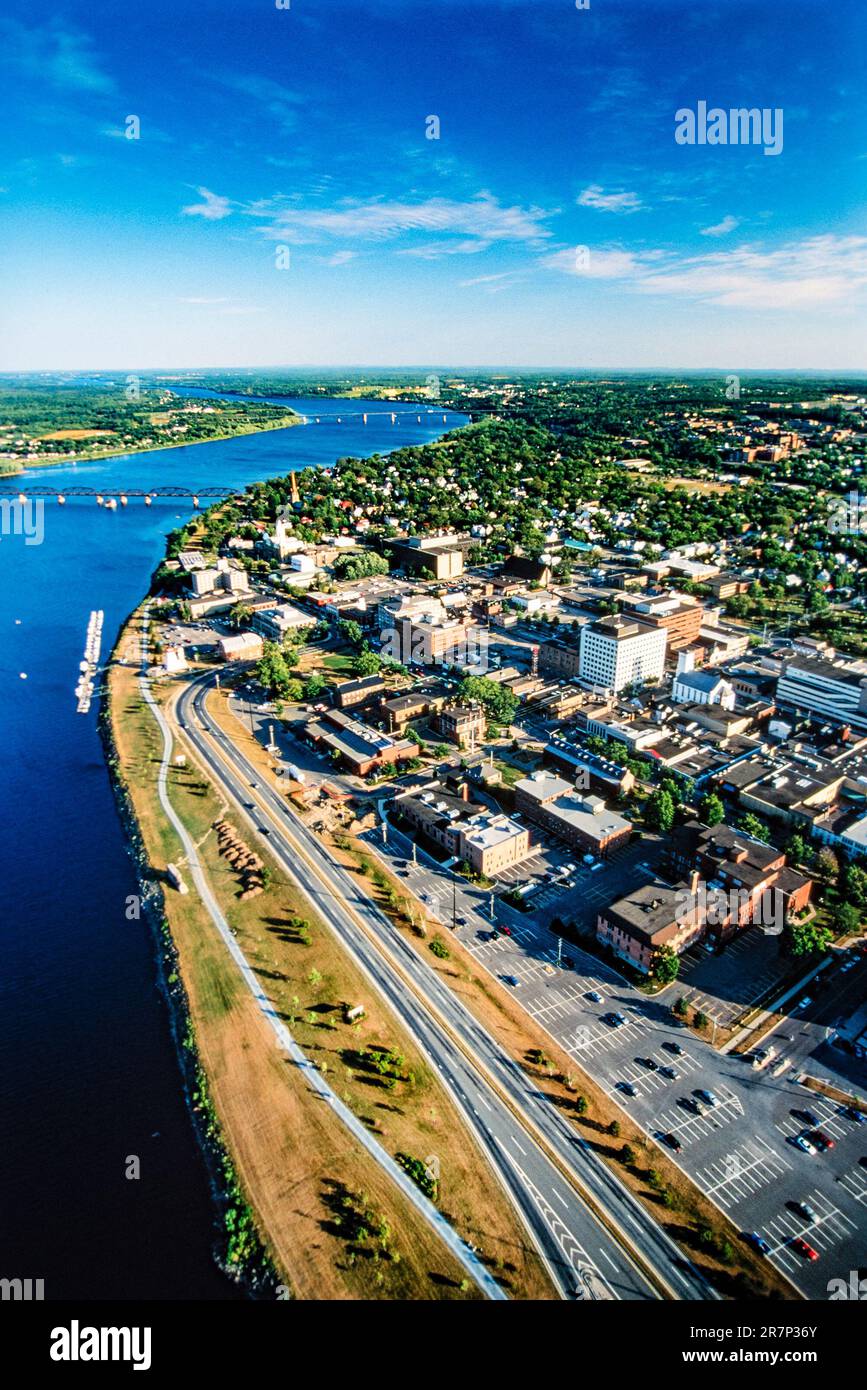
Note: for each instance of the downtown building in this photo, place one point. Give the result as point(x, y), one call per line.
point(620, 651)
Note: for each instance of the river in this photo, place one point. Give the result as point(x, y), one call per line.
point(89, 1075)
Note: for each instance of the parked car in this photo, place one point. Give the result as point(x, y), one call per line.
point(804, 1210)
point(809, 1118)
point(822, 1140)
point(708, 1097)
point(595, 996)
point(674, 1047)
point(626, 1087)
point(757, 1242)
point(513, 981)
point(857, 1115)
point(649, 1063)
point(804, 1248)
point(802, 1004)
point(800, 1142)
point(673, 1142)
point(669, 1073)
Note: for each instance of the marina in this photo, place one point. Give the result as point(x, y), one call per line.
point(89, 665)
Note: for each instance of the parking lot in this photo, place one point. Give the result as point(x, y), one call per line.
point(723, 986)
point(739, 1152)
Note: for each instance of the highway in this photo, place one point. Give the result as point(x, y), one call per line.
point(545, 1165)
point(466, 1257)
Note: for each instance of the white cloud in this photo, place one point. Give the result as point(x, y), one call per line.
point(213, 207)
point(723, 228)
point(341, 257)
point(477, 223)
point(820, 272)
point(595, 196)
point(203, 299)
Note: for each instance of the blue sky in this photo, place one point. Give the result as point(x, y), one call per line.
point(300, 134)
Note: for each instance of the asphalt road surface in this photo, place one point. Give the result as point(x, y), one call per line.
point(568, 1233)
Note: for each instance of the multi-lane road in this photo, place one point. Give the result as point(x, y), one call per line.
point(594, 1236)
point(739, 1152)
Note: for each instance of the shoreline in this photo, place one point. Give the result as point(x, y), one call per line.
point(147, 448)
point(257, 1278)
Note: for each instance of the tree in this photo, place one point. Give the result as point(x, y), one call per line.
point(805, 938)
point(751, 825)
point(797, 849)
point(314, 686)
point(351, 632)
point(660, 810)
point(273, 671)
point(367, 663)
point(712, 810)
point(679, 1007)
point(666, 965)
point(848, 919)
point(360, 565)
point(240, 616)
point(827, 864)
point(497, 700)
point(854, 885)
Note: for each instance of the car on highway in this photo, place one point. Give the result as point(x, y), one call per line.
point(801, 1142)
point(758, 1242)
point(673, 1142)
point(708, 1097)
point(822, 1140)
point(804, 1210)
point(804, 1248)
point(595, 996)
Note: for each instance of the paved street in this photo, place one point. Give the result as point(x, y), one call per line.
point(561, 1219)
point(739, 1152)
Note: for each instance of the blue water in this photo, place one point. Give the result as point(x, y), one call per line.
point(89, 1075)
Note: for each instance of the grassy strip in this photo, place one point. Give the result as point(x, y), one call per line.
point(333, 1223)
point(372, 1062)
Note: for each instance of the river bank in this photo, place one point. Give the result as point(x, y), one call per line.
point(95, 1075)
point(52, 461)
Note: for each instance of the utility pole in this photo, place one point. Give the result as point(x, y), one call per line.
point(384, 831)
point(559, 949)
point(414, 852)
